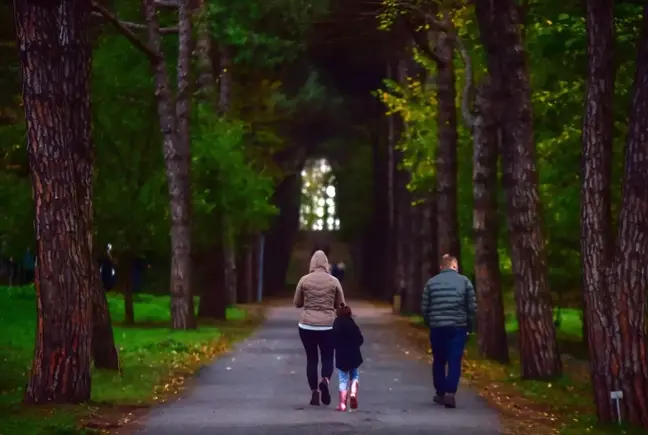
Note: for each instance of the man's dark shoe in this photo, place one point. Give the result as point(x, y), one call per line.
point(438, 400)
point(449, 401)
point(315, 398)
point(324, 390)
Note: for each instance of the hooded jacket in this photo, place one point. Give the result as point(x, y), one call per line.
point(318, 293)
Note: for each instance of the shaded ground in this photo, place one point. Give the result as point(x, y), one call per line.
point(261, 388)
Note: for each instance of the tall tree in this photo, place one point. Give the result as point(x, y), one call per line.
point(500, 32)
point(490, 315)
point(174, 125)
point(56, 62)
point(596, 221)
point(446, 165)
point(628, 279)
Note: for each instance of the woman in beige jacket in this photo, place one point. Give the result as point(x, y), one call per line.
point(318, 294)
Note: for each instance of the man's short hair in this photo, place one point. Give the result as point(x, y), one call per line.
point(447, 261)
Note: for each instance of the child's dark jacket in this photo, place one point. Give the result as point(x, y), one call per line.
point(347, 339)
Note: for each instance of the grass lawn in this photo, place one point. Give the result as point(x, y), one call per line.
point(154, 359)
point(564, 406)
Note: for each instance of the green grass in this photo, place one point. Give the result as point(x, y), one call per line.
point(149, 352)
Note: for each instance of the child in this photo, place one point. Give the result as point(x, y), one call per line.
point(347, 340)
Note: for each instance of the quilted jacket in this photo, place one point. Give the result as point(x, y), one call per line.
point(318, 293)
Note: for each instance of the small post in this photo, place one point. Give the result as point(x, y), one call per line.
point(260, 283)
point(617, 396)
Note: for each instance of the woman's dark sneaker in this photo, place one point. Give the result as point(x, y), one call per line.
point(438, 399)
point(324, 391)
point(449, 401)
point(315, 398)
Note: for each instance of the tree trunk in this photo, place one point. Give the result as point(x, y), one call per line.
point(177, 161)
point(213, 303)
point(629, 280)
point(446, 164)
point(248, 270)
point(490, 316)
point(224, 104)
point(225, 88)
point(203, 54)
point(427, 247)
point(392, 236)
point(414, 286)
point(55, 57)
point(596, 219)
point(125, 283)
point(506, 58)
point(280, 238)
point(104, 352)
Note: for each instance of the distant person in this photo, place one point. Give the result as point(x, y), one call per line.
point(347, 339)
point(318, 294)
point(337, 270)
point(107, 270)
point(449, 308)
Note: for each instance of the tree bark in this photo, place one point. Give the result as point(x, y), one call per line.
point(490, 316)
point(446, 164)
point(392, 235)
point(213, 303)
point(500, 33)
point(225, 87)
point(126, 264)
point(55, 57)
point(177, 162)
point(104, 352)
point(629, 278)
point(206, 80)
point(596, 219)
point(414, 286)
point(428, 245)
point(280, 238)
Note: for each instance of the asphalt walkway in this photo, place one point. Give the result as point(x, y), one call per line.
point(261, 388)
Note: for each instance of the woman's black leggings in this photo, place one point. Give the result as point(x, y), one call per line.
point(312, 340)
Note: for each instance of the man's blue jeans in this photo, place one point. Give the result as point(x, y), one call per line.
point(448, 343)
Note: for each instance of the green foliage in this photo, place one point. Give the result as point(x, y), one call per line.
point(266, 33)
point(225, 181)
point(131, 199)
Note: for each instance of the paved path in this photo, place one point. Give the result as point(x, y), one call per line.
point(260, 388)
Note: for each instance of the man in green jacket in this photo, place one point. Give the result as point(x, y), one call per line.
point(449, 307)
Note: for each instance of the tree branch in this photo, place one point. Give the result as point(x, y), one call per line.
point(124, 30)
point(137, 26)
point(468, 83)
point(167, 3)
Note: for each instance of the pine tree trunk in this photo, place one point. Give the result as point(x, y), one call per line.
point(490, 316)
point(428, 247)
point(392, 236)
point(213, 303)
point(500, 34)
point(596, 220)
point(206, 80)
point(55, 57)
point(104, 352)
point(177, 161)
point(125, 283)
point(247, 280)
point(446, 165)
point(629, 280)
point(414, 285)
